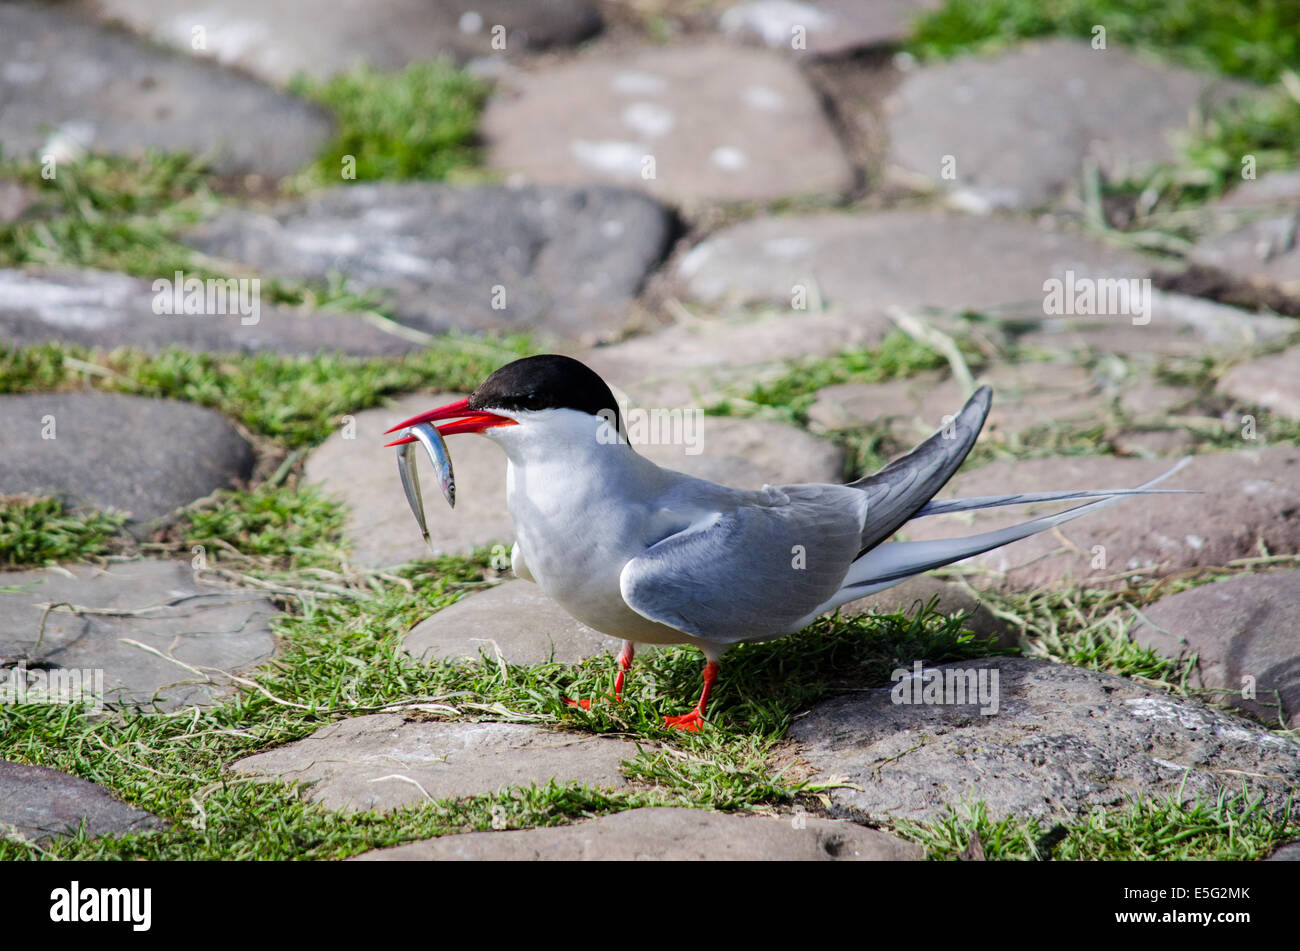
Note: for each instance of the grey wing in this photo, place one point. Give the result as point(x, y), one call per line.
point(752, 572)
point(898, 492)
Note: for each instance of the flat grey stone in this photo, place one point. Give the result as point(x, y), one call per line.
point(1247, 499)
point(1154, 444)
point(1179, 325)
point(381, 761)
point(71, 445)
point(515, 618)
point(69, 85)
point(1261, 252)
point(1288, 853)
point(14, 200)
point(868, 262)
point(40, 803)
point(1265, 193)
point(1245, 627)
point(1272, 383)
point(567, 261)
point(668, 835)
point(719, 123)
point(1064, 740)
point(910, 596)
point(1251, 232)
point(823, 27)
point(1018, 126)
point(750, 453)
point(1143, 398)
point(1026, 396)
point(182, 622)
point(279, 39)
point(104, 310)
point(695, 363)
point(741, 452)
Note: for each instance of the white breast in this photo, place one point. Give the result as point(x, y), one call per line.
point(581, 510)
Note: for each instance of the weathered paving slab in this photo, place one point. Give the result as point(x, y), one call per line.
point(515, 618)
point(382, 761)
point(1271, 382)
point(669, 835)
point(1248, 498)
point(1179, 325)
point(1245, 627)
point(910, 596)
point(903, 258)
point(689, 124)
point(1153, 444)
point(1064, 740)
point(14, 200)
point(144, 456)
point(358, 470)
point(822, 27)
point(39, 803)
point(1262, 252)
point(1288, 853)
point(1014, 130)
point(1025, 396)
point(160, 635)
point(105, 310)
point(277, 40)
point(694, 363)
point(69, 85)
point(1252, 232)
point(1264, 194)
point(562, 260)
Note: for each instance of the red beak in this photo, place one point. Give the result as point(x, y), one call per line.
point(473, 422)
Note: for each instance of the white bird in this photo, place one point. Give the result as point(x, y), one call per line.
point(653, 556)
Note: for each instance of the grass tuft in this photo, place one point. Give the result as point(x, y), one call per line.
point(36, 531)
point(296, 401)
point(419, 123)
point(1252, 39)
point(1228, 828)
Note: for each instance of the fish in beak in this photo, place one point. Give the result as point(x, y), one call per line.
point(421, 429)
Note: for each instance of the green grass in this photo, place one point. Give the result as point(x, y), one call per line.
point(294, 525)
point(1253, 39)
point(1208, 163)
point(1256, 40)
point(1229, 828)
point(109, 213)
point(419, 123)
point(792, 394)
point(35, 531)
point(341, 657)
point(294, 401)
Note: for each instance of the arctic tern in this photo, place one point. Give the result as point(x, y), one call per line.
point(653, 556)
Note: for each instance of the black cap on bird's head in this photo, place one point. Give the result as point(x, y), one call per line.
point(532, 384)
point(549, 381)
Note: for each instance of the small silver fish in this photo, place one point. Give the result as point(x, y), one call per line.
point(431, 439)
point(411, 485)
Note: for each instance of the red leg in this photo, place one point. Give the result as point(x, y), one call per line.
point(624, 664)
point(691, 722)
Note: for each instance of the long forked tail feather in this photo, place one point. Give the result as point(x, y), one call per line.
point(888, 564)
point(948, 506)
